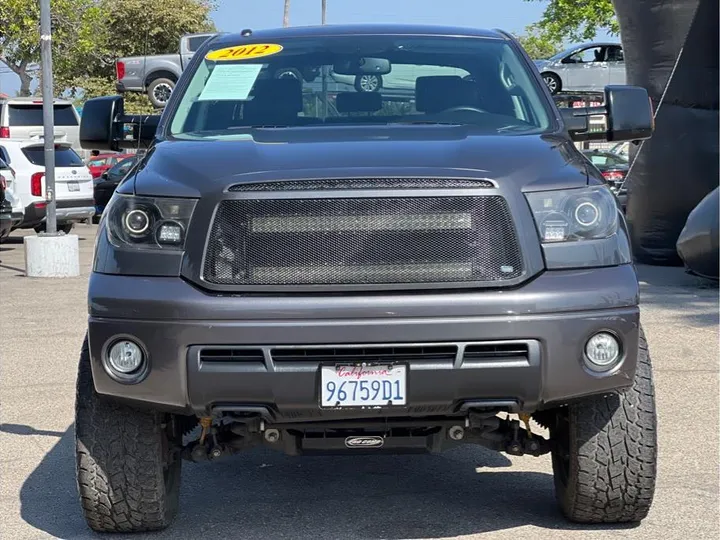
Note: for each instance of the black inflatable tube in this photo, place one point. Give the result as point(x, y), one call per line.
point(678, 167)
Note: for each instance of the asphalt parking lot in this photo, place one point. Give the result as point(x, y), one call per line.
point(466, 493)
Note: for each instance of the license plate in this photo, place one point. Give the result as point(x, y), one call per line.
point(73, 186)
point(363, 386)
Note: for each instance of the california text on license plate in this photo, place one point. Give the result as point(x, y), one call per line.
point(363, 386)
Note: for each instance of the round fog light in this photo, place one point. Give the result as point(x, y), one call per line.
point(602, 351)
point(125, 357)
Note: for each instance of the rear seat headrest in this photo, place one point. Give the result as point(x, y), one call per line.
point(438, 93)
point(285, 94)
point(349, 102)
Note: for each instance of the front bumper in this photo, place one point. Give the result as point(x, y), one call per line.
point(555, 314)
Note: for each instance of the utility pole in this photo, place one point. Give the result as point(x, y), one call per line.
point(49, 254)
point(48, 120)
point(324, 68)
point(286, 14)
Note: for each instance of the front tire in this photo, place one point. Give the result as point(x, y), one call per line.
point(605, 453)
point(368, 83)
point(553, 82)
point(128, 474)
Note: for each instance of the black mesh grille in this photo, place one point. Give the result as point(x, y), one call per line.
point(366, 183)
point(359, 241)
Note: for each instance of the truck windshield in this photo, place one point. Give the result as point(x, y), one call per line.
point(356, 80)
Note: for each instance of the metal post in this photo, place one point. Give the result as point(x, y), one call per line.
point(48, 120)
point(324, 68)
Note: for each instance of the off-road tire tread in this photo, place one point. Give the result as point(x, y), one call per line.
point(120, 453)
point(613, 452)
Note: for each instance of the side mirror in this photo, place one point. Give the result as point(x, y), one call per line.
point(104, 125)
point(628, 116)
point(104, 175)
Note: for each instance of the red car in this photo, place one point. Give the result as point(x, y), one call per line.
point(102, 162)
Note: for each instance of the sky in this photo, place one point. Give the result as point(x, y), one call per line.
point(234, 15)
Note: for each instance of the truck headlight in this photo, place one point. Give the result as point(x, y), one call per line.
point(571, 215)
point(148, 222)
point(580, 228)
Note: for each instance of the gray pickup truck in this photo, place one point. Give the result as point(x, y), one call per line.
point(157, 75)
point(322, 273)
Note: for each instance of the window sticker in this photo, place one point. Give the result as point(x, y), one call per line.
point(230, 82)
point(244, 52)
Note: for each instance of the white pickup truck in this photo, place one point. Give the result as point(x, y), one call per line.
point(157, 74)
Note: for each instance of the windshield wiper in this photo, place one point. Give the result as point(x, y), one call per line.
point(514, 127)
point(427, 122)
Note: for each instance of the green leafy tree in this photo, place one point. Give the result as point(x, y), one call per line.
point(538, 44)
point(73, 23)
point(89, 35)
point(577, 20)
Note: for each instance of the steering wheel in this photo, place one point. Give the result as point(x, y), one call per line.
point(464, 108)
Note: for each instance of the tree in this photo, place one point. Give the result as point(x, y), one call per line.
point(577, 20)
point(538, 44)
point(286, 14)
point(73, 24)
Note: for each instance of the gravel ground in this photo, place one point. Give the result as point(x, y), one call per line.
point(466, 493)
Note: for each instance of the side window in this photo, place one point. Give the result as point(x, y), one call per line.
point(585, 56)
point(194, 43)
point(615, 54)
point(4, 155)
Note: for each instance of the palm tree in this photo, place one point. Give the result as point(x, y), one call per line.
point(286, 14)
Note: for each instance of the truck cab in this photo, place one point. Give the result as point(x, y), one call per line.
point(157, 74)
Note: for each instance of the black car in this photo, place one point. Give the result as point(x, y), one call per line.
point(614, 169)
point(105, 185)
point(317, 271)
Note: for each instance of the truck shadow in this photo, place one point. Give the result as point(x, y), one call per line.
point(262, 494)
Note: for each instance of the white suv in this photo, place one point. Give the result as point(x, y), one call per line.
point(73, 183)
point(21, 118)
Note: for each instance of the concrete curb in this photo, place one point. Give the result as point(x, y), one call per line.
point(52, 256)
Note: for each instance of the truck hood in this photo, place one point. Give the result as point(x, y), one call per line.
point(192, 168)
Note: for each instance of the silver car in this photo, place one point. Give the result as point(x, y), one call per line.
point(588, 67)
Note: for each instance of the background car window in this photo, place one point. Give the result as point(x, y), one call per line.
point(591, 54)
point(31, 115)
point(4, 155)
point(615, 54)
point(64, 156)
point(96, 163)
point(194, 43)
point(123, 166)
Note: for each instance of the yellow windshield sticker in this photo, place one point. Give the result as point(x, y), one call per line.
point(244, 52)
